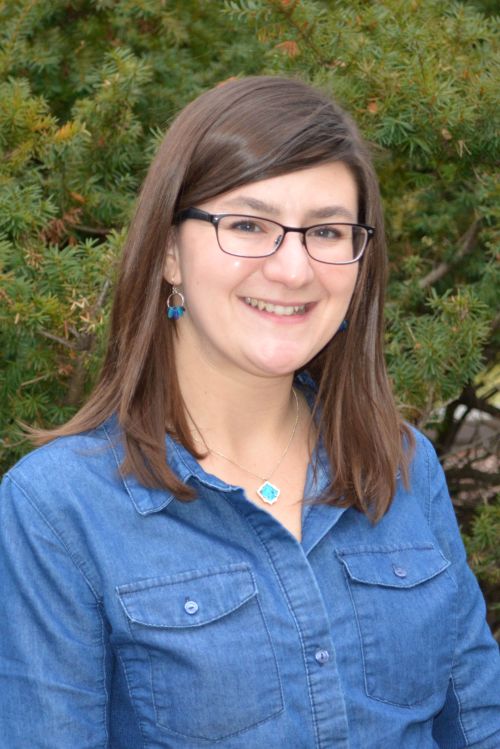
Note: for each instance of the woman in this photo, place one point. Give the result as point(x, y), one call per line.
point(237, 542)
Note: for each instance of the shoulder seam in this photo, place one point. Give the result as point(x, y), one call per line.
point(47, 522)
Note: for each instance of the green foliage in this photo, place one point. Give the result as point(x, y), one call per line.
point(431, 355)
point(88, 86)
point(483, 549)
point(482, 542)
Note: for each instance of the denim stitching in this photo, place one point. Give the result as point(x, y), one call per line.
point(185, 577)
point(122, 592)
point(253, 725)
point(405, 705)
point(190, 625)
point(358, 627)
point(206, 482)
point(387, 549)
point(105, 687)
point(234, 733)
point(76, 563)
point(132, 701)
point(428, 468)
point(451, 574)
point(455, 692)
point(98, 600)
point(165, 500)
point(203, 738)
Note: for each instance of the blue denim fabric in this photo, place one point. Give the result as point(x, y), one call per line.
point(133, 620)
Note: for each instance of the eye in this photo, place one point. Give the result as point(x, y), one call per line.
point(328, 232)
point(246, 225)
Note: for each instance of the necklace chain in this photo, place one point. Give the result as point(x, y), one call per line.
point(282, 458)
point(268, 492)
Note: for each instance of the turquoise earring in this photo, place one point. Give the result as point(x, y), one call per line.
point(343, 326)
point(174, 311)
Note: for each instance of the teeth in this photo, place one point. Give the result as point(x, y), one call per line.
point(277, 309)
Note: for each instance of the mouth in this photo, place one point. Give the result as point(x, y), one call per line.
point(281, 310)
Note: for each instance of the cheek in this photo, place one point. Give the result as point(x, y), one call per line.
point(213, 273)
point(340, 280)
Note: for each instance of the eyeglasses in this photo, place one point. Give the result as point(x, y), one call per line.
point(254, 237)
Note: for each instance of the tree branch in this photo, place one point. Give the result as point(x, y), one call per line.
point(483, 442)
point(470, 399)
point(466, 245)
point(467, 472)
point(57, 339)
point(97, 230)
point(101, 299)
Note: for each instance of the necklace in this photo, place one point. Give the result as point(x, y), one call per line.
point(267, 491)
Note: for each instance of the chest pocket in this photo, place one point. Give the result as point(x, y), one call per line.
point(203, 638)
point(405, 607)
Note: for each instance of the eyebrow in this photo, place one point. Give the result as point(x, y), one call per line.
point(254, 204)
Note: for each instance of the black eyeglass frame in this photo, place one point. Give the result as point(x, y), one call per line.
point(214, 219)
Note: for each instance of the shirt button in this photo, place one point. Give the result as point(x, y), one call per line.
point(191, 607)
point(322, 656)
point(399, 571)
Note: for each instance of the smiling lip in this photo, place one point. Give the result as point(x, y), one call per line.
point(280, 310)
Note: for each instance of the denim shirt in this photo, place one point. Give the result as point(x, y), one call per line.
point(134, 620)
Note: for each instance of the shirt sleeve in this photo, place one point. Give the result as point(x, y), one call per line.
point(53, 654)
point(471, 714)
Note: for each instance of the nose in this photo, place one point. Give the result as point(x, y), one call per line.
point(290, 265)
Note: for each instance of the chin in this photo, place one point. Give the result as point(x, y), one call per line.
point(281, 363)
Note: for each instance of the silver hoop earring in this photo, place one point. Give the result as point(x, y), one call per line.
point(174, 311)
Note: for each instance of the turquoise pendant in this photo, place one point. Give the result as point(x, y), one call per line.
point(268, 492)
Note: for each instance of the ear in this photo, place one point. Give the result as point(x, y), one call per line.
point(171, 271)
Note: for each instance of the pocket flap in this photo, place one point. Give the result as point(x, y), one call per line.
point(188, 599)
point(394, 567)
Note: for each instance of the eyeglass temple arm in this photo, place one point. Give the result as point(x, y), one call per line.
point(194, 213)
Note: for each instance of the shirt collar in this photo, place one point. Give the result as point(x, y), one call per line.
point(148, 500)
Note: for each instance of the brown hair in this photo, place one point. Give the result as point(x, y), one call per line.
point(243, 131)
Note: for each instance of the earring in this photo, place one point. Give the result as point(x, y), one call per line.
point(174, 311)
point(343, 326)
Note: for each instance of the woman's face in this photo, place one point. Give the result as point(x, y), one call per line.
point(237, 309)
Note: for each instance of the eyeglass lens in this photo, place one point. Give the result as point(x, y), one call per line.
point(256, 237)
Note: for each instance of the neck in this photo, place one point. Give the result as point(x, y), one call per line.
point(231, 413)
point(240, 413)
point(255, 432)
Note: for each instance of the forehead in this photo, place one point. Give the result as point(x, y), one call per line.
point(323, 191)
